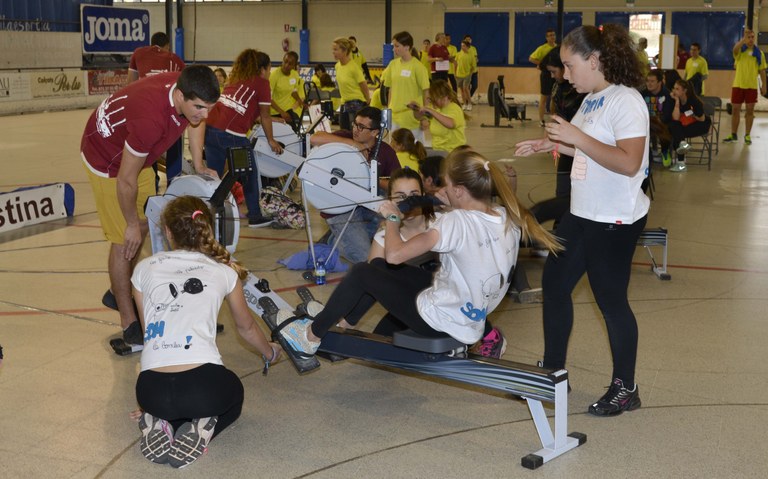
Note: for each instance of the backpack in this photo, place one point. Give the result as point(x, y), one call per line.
point(281, 208)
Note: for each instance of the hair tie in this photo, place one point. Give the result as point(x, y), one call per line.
point(487, 165)
point(197, 212)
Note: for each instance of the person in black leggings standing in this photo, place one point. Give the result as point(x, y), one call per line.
point(608, 139)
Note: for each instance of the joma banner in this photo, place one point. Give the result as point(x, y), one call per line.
point(113, 30)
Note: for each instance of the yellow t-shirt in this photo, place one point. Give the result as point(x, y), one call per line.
point(376, 99)
point(452, 51)
point(541, 52)
point(424, 58)
point(301, 89)
point(408, 160)
point(465, 64)
point(349, 77)
point(446, 139)
point(747, 69)
point(406, 82)
point(282, 87)
point(694, 66)
point(316, 80)
point(336, 100)
point(473, 51)
point(358, 58)
point(645, 66)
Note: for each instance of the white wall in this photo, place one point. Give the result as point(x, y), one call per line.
point(217, 32)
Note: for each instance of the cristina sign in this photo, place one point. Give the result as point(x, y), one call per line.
point(113, 30)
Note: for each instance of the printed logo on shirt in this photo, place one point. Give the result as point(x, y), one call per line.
point(592, 105)
point(238, 100)
point(491, 290)
point(405, 73)
point(105, 123)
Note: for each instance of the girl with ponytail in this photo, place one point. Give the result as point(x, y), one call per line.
point(477, 242)
point(185, 393)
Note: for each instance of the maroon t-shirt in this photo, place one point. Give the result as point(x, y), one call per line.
point(386, 159)
point(140, 117)
point(151, 60)
point(238, 106)
point(438, 51)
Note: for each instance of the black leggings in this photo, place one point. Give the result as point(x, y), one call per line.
point(394, 287)
point(205, 391)
point(680, 132)
point(604, 251)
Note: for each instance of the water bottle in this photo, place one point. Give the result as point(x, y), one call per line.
point(320, 272)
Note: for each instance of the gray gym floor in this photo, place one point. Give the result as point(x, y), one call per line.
point(702, 364)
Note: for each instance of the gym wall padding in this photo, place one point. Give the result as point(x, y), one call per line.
point(489, 32)
point(716, 32)
point(531, 28)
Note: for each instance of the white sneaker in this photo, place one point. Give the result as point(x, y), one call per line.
point(295, 334)
point(464, 107)
point(157, 436)
point(678, 167)
point(469, 107)
point(191, 441)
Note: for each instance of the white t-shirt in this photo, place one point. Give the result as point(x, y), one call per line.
point(477, 253)
point(598, 194)
point(183, 292)
point(417, 261)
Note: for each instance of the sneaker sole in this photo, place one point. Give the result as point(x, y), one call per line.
point(190, 444)
point(155, 443)
point(529, 296)
point(261, 225)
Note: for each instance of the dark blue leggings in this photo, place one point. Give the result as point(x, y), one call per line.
point(205, 391)
point(604, 251)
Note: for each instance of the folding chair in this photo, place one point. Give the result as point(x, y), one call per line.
point(705, 146)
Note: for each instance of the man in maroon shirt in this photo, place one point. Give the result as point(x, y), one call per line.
point(357, 237)
point(123, 137)
point(151, 60)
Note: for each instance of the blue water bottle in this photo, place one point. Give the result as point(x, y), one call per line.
point(320, 272)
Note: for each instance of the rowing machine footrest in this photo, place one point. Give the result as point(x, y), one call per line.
point(410, 340)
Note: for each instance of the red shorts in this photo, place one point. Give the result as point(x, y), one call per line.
point(742, 95)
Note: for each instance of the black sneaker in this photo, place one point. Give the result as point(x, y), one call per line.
point(258, 222)
point(133, 334)
point(617, 400)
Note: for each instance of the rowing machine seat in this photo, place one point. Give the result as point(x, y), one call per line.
point(434, 344)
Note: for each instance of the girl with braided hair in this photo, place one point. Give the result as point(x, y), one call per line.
point(183, 385)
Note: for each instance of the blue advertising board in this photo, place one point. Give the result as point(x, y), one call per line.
point(114, 30)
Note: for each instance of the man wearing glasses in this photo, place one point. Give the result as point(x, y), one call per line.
point(356, 240)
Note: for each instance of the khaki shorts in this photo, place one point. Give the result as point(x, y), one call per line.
point(105, 193)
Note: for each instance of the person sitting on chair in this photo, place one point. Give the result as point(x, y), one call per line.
point(356, 240)
point(688, 120)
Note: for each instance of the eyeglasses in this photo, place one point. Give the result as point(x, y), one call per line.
point(360, 126)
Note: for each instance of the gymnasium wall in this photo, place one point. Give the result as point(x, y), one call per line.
point(215, 32)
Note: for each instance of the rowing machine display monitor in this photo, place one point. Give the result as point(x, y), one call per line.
point(240, 160)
